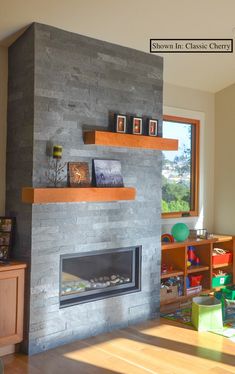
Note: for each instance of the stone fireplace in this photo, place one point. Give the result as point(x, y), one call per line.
point(59, 83)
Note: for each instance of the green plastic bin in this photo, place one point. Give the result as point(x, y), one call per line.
point(207, 313)
point(229, 292)
point(221, 281)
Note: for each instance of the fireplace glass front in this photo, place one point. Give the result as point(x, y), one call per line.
point(99, 274)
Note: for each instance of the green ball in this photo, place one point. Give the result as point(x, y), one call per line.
point(180, 232)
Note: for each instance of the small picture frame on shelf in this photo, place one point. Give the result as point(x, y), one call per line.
point(107, 173)
point(137, 125)
point(78, 174)
point(6, 236)
point(152, 127)
point(6, 224)
point(120, 123)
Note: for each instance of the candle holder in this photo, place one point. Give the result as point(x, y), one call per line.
point(55, 172)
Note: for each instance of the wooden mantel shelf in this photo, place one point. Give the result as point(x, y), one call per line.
point(113, 139)
point(65, 195)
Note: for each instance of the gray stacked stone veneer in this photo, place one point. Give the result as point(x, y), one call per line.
point(60, 82)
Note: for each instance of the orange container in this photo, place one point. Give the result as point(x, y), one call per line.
point(225, 259)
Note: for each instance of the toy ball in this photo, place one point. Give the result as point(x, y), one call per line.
point(180, 232)
point(189, 264)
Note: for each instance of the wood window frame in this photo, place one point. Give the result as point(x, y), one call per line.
point(195, 167)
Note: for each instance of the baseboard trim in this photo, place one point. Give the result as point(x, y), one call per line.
point(9, 349)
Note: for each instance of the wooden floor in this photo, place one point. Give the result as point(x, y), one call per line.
point(153, 347)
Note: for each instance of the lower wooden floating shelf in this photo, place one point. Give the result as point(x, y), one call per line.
point(32, 195)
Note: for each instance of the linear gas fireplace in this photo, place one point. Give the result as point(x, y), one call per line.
point(99, 274)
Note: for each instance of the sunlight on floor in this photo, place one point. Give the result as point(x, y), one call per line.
point(148, 350)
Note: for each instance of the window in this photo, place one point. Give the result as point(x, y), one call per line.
point(180, 169)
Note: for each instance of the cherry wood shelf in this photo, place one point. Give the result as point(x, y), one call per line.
point(197, 268)
point(188, 242)
point(112, 139)
point(64, 195)
point(172, 273)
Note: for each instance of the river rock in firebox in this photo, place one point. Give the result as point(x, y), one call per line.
point(106, 278)
point(107, 283)
point(101, 279)
point(113, 277)
point(115, 281)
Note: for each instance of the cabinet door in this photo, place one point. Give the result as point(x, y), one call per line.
point(11, 306)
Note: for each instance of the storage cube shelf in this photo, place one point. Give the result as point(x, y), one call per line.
point(174, 259)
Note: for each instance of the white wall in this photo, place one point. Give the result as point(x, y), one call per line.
point(3, 116)
point(186, 101)
point(225, 161)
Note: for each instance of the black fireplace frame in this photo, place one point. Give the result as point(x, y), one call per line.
point(98, 294)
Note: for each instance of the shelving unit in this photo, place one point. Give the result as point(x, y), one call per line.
point(64, 195)
point(112, 139)
point(174, 256)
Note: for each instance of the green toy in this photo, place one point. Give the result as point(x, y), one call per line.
point(180, 232)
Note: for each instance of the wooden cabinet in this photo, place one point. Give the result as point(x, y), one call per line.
point(174, 259)
point(11, 303)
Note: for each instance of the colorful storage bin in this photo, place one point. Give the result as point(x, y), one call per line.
point(207, 313)
point(224, 259)
point(193, 290)
point(168, 293)
point(229, 292)
point(222, 280)
point(228, 309)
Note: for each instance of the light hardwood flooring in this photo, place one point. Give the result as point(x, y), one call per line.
point(159, 346)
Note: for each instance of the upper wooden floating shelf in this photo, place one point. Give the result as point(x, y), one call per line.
point(65, 195)
point(113, 139)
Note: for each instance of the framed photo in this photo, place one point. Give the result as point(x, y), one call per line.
point(6, 236)
point(120, 123)
point(107, 173)
point(152, 127)
point(137, 125)
point(78, 174)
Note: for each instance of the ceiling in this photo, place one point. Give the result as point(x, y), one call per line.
point(132, 23)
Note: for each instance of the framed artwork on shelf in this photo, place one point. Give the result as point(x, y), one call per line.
point(7, 225)
point(120, 124)
point(78, 174)
point(152, 127)
point(137, 126)
point(107, 173)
